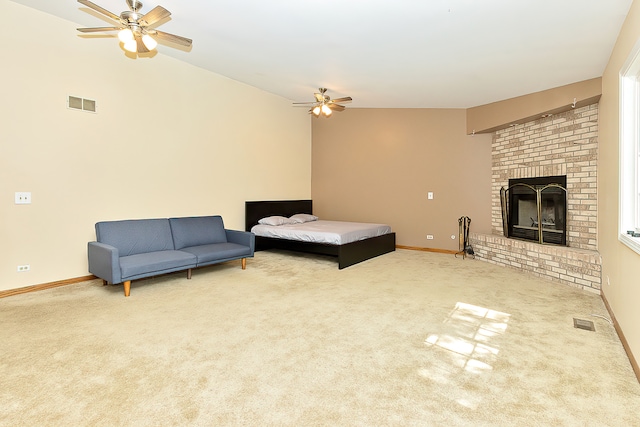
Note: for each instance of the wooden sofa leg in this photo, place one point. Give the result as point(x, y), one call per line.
point(244, 263)
point(189, 273)
point(105, 283)
point(127, 288)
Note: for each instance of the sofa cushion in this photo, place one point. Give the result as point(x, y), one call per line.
point(136, 236)
point(142, 264)
point(218, 252)
point(195, 231)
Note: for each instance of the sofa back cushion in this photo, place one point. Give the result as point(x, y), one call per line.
point(196, 231)
point(136, 236)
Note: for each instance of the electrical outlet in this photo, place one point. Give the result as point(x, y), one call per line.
point(429, 236)
point(430, 195)
point(23, 197)
point(22, 268)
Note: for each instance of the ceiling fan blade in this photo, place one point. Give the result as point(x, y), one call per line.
point(345, 99)
point(100, 9)
point(141, 47)
point(304, 103)
point(183, 41)
point(98, 29)
point(336, 107)
point(156, 14)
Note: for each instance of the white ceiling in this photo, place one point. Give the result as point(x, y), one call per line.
point(385, 53)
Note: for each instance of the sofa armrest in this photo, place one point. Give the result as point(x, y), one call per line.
point(104, 262)
point(245, 238)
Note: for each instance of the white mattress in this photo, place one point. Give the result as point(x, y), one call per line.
point(321, 231)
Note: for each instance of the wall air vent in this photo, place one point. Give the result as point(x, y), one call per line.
point(76, 103)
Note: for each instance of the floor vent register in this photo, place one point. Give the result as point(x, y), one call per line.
point(587, 325)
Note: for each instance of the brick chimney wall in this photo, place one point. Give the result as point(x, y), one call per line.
point(562, 144)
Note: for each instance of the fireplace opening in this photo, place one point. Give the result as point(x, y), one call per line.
point(536, 209)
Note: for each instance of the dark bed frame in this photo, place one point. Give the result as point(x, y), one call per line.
point(348, 254)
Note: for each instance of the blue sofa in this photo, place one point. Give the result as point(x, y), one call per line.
point(132, 249)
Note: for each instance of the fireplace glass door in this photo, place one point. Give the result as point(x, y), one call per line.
point(536, 209)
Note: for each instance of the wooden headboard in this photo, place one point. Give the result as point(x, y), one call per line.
point(255, 210)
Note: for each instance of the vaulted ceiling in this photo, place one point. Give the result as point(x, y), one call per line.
point(384, 53)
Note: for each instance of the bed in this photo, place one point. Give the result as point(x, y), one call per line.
point(347, 253)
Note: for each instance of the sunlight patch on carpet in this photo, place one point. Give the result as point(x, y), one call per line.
point(470, 343)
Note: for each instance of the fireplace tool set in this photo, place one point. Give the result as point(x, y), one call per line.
point(464, 223)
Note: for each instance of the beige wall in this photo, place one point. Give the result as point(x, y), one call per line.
point(168, 139)
point(620, 265)
point(378, 165)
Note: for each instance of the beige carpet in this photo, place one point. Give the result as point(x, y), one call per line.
point(406, 339)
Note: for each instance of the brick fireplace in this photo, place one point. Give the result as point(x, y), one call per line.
point(563, 144)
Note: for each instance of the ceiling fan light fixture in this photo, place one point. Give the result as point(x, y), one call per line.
point(125, 35)
point(323, 104)
point(131, 46)
point(149, 42)
point(132, 24)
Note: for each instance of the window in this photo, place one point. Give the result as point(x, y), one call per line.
point(630, 151)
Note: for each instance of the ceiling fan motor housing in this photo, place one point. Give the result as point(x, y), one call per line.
point(130, 20)
point(130, 17)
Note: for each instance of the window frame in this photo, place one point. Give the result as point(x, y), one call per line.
point(629, 160)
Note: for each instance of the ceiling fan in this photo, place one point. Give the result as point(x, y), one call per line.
point(324, 104)
point(135, 28)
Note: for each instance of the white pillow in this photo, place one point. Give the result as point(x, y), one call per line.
point(300, 218)
point(275, 220)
